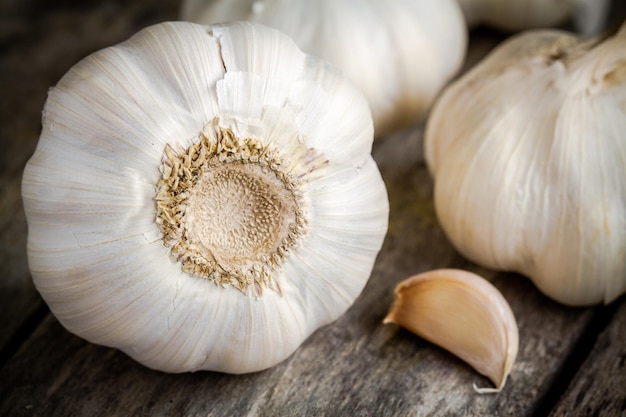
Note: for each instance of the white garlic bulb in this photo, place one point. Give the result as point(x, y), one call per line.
point(399, 53)
point(588, 16)
point(203, 197)
point(528, 154)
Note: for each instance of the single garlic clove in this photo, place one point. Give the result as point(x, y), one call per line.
point(464, 314)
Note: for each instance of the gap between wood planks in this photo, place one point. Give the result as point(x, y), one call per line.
point(601, 318)
point(23, 332)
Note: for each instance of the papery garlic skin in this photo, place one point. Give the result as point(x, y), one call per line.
point(588, 16)
point(399, 53)
point(112, 128)
point(528, 154)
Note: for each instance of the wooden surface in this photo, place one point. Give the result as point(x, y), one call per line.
point(572, 361)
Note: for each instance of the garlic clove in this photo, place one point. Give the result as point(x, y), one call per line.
point(399, 54)
point(184, 207)
point(462, 313)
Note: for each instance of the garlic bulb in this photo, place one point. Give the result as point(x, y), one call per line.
point(399, 53)
point(464, 314)
point(528, 154)
point(203, 197)
point(588, 16)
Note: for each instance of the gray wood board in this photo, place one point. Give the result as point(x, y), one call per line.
point(599, 387)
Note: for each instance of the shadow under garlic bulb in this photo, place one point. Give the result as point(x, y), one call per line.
point(203, 198)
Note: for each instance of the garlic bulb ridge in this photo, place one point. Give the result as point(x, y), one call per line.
point(528, 153)
point(399, 53)
point(203, 198)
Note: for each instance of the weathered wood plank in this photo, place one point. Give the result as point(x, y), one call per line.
point(599, 388)
point(18, 297)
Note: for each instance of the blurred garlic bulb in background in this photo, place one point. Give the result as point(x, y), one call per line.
point(399, 53)
point(588, 16)
point(203, 197)
point(528, 154)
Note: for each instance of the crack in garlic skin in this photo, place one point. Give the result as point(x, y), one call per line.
point(229, 211)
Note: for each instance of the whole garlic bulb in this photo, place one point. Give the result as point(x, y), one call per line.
point(588, 16)
point(203, 197)
point(528, 154)
point(399, 53)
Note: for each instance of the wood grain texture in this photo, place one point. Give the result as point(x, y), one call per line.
point(599, 387)
point(354, 367)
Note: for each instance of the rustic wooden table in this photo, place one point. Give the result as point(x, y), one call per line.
point(572, 361)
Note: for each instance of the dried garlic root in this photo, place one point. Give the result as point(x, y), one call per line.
point(462, 313)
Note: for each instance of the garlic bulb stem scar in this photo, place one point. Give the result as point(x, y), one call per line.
point(229, 211)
